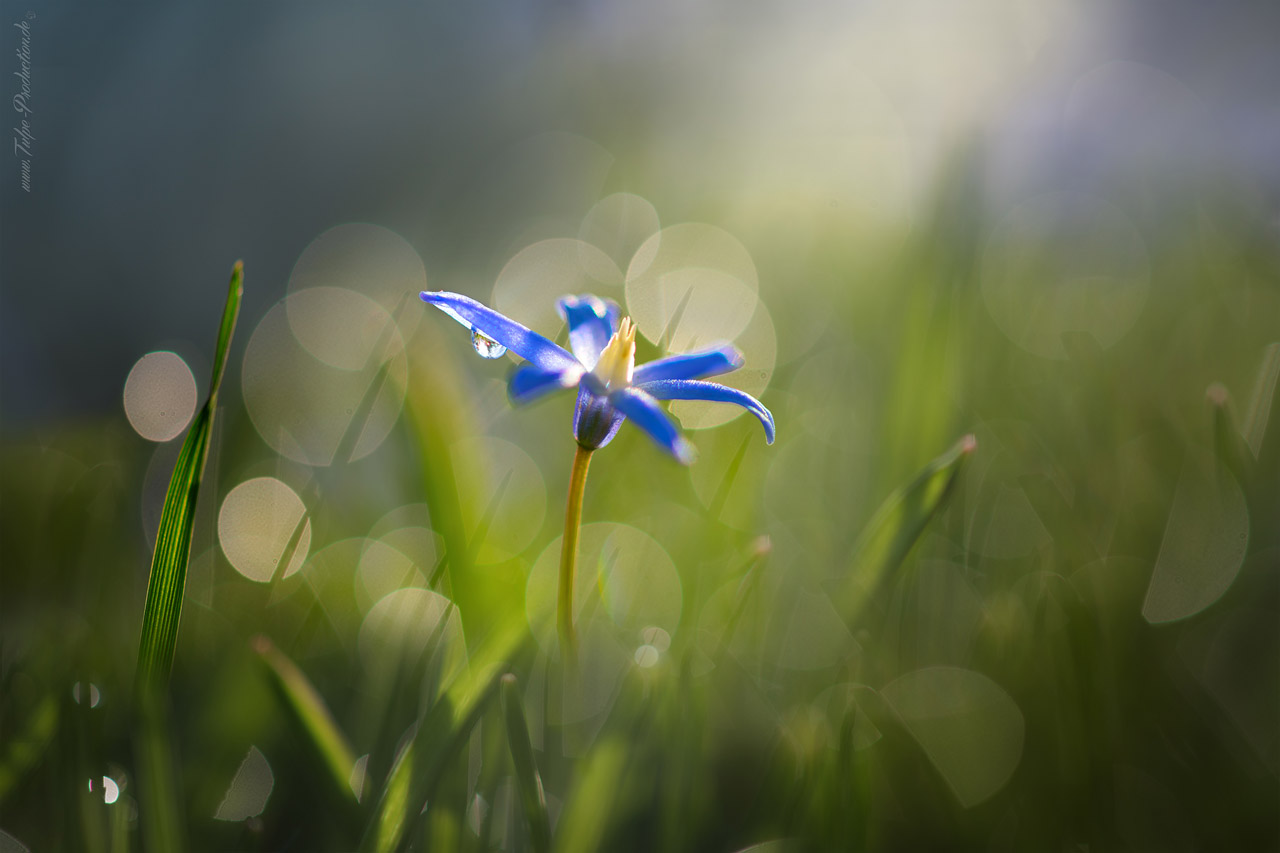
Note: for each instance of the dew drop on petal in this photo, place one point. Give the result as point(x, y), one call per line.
point(486, 346)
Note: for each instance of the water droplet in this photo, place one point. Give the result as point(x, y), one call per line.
point(486, 346)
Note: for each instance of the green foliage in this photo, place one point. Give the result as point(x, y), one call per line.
point(438, 737)
point(311, 715)
point(896, 526)
point(532, 797)
point(173, 541)
point(1058, 633)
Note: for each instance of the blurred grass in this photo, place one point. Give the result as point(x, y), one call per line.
point(773, 710)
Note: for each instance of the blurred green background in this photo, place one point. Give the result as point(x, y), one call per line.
point(1049, 227)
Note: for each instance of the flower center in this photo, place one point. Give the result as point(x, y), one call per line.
point(618, 359)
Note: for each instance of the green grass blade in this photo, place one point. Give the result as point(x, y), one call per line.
point(26, 743)
point(1255, 419)
point(434, 404)
point(389, 823)
point(312, 714)
point(894, 529)
point(590, 804)
point(532, 796)
point(438, 738)
point(159, 811)
point(173, 541)
point(1228, 444)
point(235, 293)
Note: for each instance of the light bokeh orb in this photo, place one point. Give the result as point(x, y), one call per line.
point(333, 393)
point(758, 344)
point(618, 225)
point(533, 280)
point(360, 257)
point(624, 574)
point(504, 502)
point(1065, 263)
point(406, 624)
point(690, 285)
point(249, 790)
point(264, 529)
point(160, 396)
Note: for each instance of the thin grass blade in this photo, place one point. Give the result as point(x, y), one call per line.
point(439, 736)
point(159, 811)
point(312, 714)
point(1259, 411)
point(898, 524)
point(1229, 445)
point(26, 743)
point(586, 817)
point(532, 797)
point(173, 541)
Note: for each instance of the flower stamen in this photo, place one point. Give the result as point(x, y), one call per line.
point(618, 359)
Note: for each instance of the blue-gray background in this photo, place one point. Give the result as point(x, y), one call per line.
point(173, 139)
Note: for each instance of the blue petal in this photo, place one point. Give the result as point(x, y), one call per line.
point(531, 382)
point(693, 365)
point(592, 321)
point(515, 337)
point(645, 413)
point(688, 390)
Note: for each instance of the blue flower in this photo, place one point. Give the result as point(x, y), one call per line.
point(602, 367)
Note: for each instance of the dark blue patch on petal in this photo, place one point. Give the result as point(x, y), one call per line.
point(595, 422)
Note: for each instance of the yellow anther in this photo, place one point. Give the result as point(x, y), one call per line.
point(618, 359)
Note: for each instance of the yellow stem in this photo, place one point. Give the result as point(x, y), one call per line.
point(569, 552)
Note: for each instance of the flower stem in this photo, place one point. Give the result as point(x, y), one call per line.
point(569, 551)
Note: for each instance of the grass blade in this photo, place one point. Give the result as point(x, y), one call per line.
point(1228, 443)
point(173, 541)
point(439, 736)
point(26, 746)
point(159, 811)
point(532, 796)
point(588, 809)
point(896, 526)
point(1255, 419)
point(310, 711)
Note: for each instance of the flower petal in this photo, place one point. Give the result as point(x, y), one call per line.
point(592, 321)
point(675, 389)
point(519, 339)
point(530, 382)
point(645, 413)
point(595, 422)
point(693, 365)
